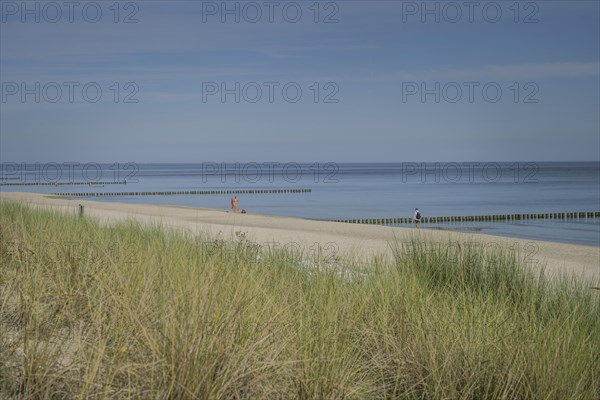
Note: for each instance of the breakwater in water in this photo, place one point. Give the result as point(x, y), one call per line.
point(476, 218)
point(185, 192)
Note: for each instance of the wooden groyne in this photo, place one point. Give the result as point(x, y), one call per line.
point(61, 183)
point(185, 192)
point(475, 218)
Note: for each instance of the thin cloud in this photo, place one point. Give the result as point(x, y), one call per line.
point(546, 70)
point(532, 71)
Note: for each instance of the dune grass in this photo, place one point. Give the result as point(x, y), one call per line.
point(125, 311)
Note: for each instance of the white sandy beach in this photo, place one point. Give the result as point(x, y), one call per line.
point(348, 241)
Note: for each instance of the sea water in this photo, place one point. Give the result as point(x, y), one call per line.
point(352, 191)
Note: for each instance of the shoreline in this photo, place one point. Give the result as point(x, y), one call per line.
point(346, 241)
point(485, 230)
point(549, 227)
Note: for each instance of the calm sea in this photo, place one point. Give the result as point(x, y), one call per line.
point(355, 191)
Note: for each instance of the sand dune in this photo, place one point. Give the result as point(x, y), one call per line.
point(347, 241)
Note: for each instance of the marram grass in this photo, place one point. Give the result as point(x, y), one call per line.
point(130, 312)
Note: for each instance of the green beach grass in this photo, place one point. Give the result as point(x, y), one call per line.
point(125, 311)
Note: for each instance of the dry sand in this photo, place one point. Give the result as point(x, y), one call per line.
point(348, 241)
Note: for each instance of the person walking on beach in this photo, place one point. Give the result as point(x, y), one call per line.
point(235, 204)
point(232, 204)
point(417, 217)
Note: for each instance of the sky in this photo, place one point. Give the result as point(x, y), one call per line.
point(303, 81)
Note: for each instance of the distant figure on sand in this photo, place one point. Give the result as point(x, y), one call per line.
point(235, 204)
point(417, 217)
point(232, 205)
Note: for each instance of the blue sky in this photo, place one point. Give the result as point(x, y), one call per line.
point(545, 60)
